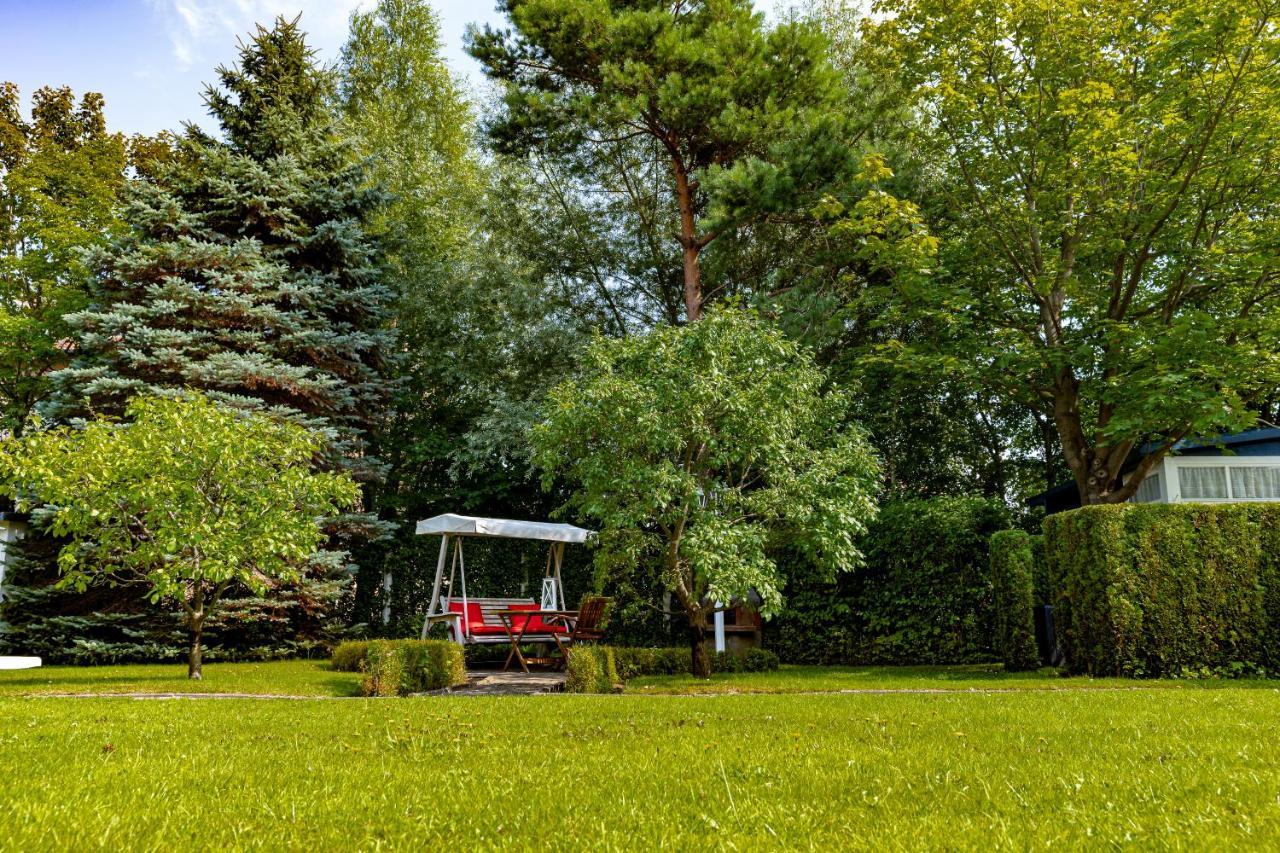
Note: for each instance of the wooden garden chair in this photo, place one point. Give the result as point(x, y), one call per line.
point(587, 626)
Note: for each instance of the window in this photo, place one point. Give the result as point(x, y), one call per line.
point(1148, 491)
point(1202, 483)
point(1255, 482)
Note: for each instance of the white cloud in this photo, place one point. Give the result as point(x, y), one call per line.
point(201, 30)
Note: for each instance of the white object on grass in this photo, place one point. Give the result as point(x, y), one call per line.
point(19, 662)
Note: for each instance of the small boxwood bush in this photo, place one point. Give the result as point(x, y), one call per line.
point(591, 669)
point(1013, 571)
point(1167, 589)
point(349, 656)
point(402, 667)
point(597, 669)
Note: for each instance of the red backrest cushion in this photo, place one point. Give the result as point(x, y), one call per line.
point(474, 614)
point(517, 622)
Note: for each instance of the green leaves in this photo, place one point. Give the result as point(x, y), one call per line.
point(1111, 170)
point(706, 448)
point(189, 496)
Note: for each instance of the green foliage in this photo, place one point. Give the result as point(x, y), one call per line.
point(923, 597)
point(402, 667)
point(704, 449)
point(247, 269)
point(60, 177)
point(1113, 200)
point(600, 668)
point(1166, 589)
point(189, 499)
point(696, 86)
point(1013, 596)
point(349, 656)
point(591, 669)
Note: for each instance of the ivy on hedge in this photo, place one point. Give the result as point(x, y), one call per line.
point(1013, 572)
point(1167, 589)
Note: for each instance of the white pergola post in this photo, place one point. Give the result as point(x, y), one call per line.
point(719, 623)
point(386, 598)
point(435, 586)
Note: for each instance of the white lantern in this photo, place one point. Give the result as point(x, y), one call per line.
point(549, 594)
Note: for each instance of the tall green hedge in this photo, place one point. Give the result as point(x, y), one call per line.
point(924, 596)
point(1167, 589)
point(1013, 571)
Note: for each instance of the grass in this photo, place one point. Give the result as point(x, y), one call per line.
point(835, 679)
point(294, 678)
point(1155, 767)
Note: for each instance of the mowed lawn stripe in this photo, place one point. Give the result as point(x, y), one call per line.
point(1157, 766)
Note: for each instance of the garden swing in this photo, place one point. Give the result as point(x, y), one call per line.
point(500, 620)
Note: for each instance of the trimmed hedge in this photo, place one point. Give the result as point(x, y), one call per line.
point(591, 669)
point(402, 667)
point(349, 656)
point(600, 669)
point(924, 596)
point(1167, 589)
point(1013, 571)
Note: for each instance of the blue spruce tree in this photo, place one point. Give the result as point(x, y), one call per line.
point(248, 271)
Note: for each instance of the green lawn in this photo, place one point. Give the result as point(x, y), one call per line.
point(1169, 764)
point(834, 679)
point(293, 677)
point(1155, 767)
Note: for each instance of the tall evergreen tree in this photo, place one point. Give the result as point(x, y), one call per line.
point(249, 271)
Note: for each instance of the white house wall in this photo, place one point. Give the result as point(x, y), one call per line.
point(1170, 484)
point(10, 532)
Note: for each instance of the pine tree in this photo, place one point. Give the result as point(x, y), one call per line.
point(249, 272)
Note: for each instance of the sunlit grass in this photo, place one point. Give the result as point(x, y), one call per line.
point(289, 678)
point(834, 679)
point(1155, 767)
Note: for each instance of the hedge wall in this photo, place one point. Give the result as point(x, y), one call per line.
point(1167, 589)
point(924, 596)
point(1013, 593)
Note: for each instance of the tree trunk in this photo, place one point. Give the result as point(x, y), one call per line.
point(690, 244)
point(698, 644)
point(195, 658)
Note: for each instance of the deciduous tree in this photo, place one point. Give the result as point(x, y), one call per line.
point(705, 448)
point(1116, 206)
point(189, 497)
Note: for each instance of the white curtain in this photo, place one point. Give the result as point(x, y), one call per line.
point(1148, 490)
point(1197, 483)
point(1255, 482)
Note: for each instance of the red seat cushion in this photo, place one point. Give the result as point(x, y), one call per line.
point(487, 630)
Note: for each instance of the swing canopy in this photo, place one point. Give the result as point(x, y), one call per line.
point(468, 525)
point(473, 619)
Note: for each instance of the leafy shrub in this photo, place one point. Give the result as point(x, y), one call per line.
point(759, 660)
point(402, 667)
point(591, 669)
point(1013, 596)
point(1167, 589)
point(349, 656)
point(924, 596)
point(635, 662)
point(609, 665)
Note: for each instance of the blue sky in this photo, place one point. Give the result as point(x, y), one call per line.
point(149, 58)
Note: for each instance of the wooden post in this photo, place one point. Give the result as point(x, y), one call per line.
point(435, 587)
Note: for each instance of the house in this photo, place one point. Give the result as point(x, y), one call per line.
point(13, 526)
point(1229, 469)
